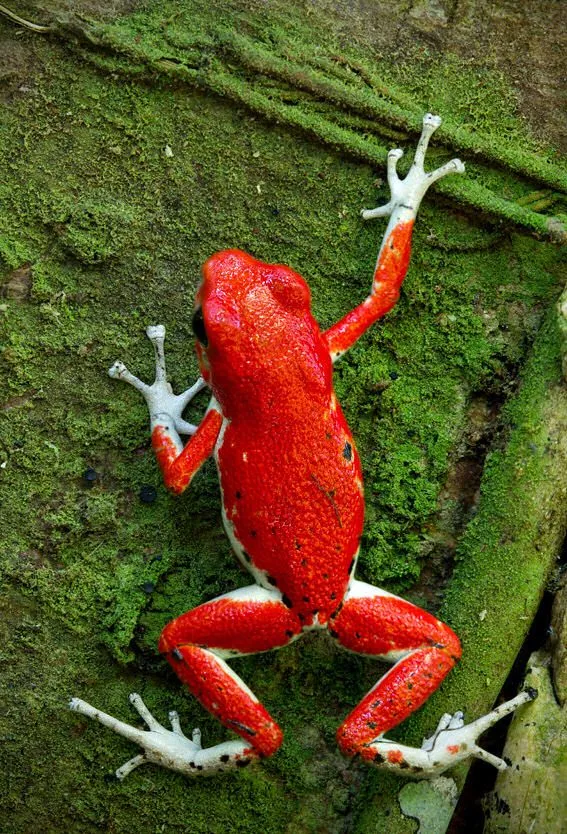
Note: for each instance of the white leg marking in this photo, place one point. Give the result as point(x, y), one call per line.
point(165, 407)
point(168, 748)
point(452, 742)
point(408, 193)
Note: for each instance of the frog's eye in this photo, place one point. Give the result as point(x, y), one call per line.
point(198, 325)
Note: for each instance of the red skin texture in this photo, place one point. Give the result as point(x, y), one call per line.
point(377, 625)
point(178, 470)
point(222, 696)
point(288, 466)
point(245, 626)
point(399, 693)
point(293, 499)
point(393, 263)
point(380, 624)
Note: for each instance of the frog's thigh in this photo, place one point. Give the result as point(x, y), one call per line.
point(196, 644)
point(424, 650)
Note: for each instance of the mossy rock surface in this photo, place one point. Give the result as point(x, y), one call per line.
point(133, 149)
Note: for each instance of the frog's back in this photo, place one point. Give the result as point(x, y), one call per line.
point(293, 499)
point(288, 467)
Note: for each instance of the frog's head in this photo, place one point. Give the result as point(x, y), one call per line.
point(247, 315)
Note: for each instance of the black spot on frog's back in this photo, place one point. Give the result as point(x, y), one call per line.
point(347, 451)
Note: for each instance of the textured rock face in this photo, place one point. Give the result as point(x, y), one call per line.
point(559, 644)
point(524, 41)
point(530, 796)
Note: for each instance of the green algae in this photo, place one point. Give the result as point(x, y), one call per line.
point(115, 230)
point(273, 74)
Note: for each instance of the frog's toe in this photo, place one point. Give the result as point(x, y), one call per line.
point(176, 728)
point(457, 720)
point(144, 712)
point(155, 332)
point(454, 740)
point(431, 122)
point(380, 211)
point(129, 766)
point(117, 369)
point(446, 722)
point(454, 166)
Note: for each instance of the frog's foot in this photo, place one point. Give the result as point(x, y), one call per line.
point(408, 193)
point(169, 748)
point(160, 398)
point(452, 742)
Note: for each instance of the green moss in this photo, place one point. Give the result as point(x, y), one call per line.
point(272, 73)
point(520, 526)
point(96, 231)
point(115, 230)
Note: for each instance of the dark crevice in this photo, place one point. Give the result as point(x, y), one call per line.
point(459, 496)
point(469, 816)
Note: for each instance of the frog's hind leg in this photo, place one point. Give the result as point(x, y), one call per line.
point(376, 623)
point(197, 645)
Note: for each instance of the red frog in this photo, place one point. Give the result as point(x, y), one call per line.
point(293, 507)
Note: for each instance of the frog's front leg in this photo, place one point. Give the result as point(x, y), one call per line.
point(178, 463)
point(393, 257)
point(196, 644)
point(424, 650)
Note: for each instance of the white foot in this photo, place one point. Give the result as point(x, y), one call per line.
point(452, 742)
point(408, 193)
point(159, 396)
point(169, 748)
